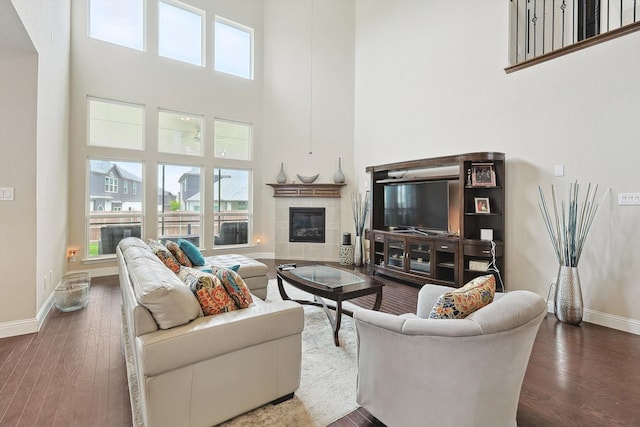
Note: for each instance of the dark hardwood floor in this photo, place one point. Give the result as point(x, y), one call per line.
point(72, 372)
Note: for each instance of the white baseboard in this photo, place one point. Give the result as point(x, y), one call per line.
point(18, 327)
point(27, 326)
point(607, 320)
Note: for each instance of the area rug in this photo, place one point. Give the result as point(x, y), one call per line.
point(328, 380)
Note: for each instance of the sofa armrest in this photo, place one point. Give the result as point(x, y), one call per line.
point(211, 336)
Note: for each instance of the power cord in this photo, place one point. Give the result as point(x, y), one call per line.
point(494, 267)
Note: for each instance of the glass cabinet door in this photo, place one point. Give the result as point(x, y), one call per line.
point(420, 257)
point(395, 250)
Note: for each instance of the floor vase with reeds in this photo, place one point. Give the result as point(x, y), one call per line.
point(567, 302)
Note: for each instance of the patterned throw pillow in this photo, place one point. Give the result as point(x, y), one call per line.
point(164, 254)
point(192, 252)
point(462, 302)
point(208, 289)
point(234, 285)
point(177, 253)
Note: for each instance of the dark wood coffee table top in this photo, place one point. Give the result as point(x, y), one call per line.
point(369, 285)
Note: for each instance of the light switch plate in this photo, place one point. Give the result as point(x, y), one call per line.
point(559, 170)
point(6, 193)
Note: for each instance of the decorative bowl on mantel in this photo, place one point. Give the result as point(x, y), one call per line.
point(307, 179)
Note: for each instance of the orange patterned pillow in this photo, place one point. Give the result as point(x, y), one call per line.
point(177, 252)
point(208, 289)
point(462, 302)
point(235, 286)
point(164, 254)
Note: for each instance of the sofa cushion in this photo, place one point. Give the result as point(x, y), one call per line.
point(234, 285)
point(169, 300)
point(192, 252)
point(175, 250)
point(208, 289)
point(165, 255)
point(248, 267)
point(462, 302)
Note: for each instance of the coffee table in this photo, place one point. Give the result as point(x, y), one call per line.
point(335, 284)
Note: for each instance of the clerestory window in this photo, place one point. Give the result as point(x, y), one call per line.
point(118, 21)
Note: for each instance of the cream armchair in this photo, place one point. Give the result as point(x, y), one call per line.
point(416, 371)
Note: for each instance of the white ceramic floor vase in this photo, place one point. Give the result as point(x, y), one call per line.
point(568, 298)
point(357, 251)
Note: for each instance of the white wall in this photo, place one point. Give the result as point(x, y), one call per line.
point(430, 82)
point(18, 81)
point(309, 72)
point(34, 103)
point(277, 102)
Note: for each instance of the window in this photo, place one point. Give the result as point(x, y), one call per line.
point(232, 140)
point(134, 187)
point(180, 133)
point(116, 124)
point(117, 21)
point(231, 206)
point(110, 184)
point(125, 186)
point(180, 34)
point(233, 48)
point(179, 202)
point(106, 222)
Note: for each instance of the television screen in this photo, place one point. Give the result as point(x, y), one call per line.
point(421, 205)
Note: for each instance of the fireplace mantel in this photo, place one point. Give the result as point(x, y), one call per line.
point(306, 190)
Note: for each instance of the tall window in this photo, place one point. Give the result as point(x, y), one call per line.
point(117, 21)
point(179, 202)
point(113, 214)
point(233, 48)
point(115, 124)
point(180, 133)
point(232, 140)
point(231, 206)
point(180, 32)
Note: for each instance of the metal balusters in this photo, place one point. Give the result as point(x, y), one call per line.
point(534, 22)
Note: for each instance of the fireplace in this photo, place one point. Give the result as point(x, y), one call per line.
point(307, 225)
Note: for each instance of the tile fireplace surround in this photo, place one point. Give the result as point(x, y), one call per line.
point(327, 251)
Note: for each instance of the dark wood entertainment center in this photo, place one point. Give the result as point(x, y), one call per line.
point(476, 202)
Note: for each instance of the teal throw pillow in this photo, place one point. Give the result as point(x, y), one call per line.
point(192, 252)
point(234, 267)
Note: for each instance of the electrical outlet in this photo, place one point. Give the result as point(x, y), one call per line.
point(629, 199)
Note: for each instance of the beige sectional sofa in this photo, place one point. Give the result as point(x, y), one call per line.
point(193, 370)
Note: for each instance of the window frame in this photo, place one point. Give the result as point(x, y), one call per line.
point(142, 108)
point(116, 212)
point(142, 48)
point(241, 27)
point(249, 142)
point(203, 30)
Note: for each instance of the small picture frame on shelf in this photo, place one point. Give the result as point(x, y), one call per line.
point(483, 175)
point(482, 205)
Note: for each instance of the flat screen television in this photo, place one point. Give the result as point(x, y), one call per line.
point(417, 205)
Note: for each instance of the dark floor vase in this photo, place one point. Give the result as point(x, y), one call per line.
point(568, 298)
